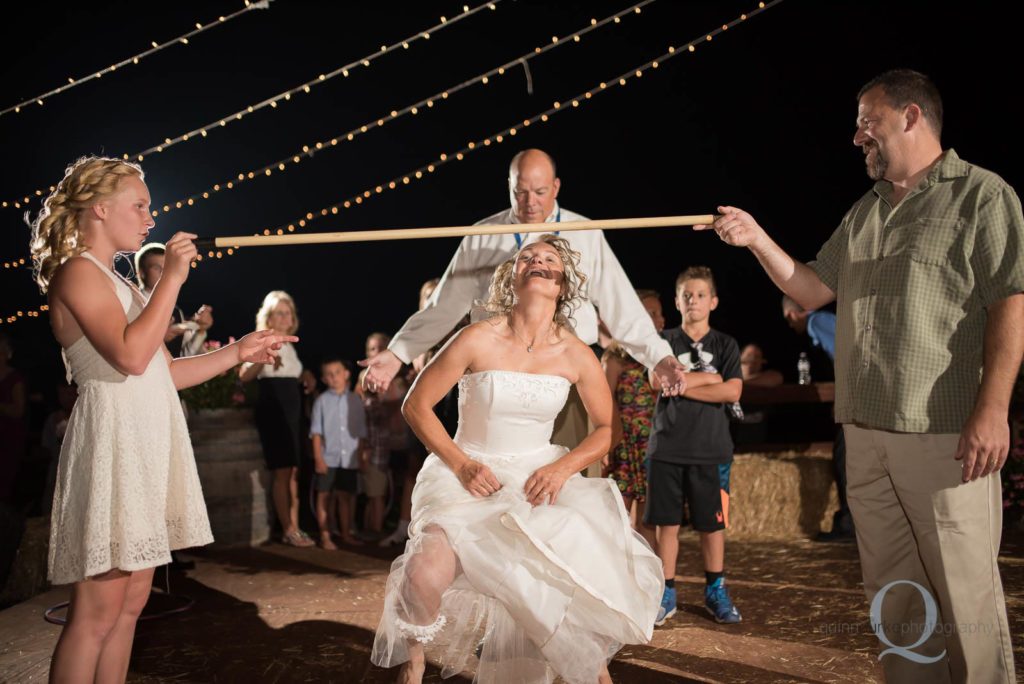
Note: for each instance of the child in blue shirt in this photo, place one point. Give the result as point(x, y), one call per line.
point(338, 431)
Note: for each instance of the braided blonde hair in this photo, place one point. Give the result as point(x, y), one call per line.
point(501, 296)
point(56, 235)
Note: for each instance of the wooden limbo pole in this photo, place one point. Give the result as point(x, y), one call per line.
point(449, 231)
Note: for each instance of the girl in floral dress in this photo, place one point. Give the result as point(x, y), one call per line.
point(634, 402)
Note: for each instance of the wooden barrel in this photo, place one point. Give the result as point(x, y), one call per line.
point(235, 481)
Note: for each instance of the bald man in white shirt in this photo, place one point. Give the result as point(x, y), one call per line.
point(533, 191)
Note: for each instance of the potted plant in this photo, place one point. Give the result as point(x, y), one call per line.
point(223, 391)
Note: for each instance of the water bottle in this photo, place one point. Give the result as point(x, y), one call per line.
point(803, 369)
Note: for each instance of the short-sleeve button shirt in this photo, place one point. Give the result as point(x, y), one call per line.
point(912, 283)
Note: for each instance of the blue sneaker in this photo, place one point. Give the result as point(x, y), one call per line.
point(718, 603)
point(667, 608)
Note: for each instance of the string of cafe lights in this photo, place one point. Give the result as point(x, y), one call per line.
point(285, 96)
point(135, 59)
point(308, 151)
point(568, 104)
point(496, 138)
point(24, 314)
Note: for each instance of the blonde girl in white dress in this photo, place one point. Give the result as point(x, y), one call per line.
point(127, 490)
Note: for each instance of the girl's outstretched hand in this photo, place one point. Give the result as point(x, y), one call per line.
point(262, 346)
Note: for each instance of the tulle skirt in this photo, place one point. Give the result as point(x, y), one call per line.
point(532, 592)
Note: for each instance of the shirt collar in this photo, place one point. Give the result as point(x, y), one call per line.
point(949, 167)
point(550, 219)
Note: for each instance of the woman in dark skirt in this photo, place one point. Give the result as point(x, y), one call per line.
point(279, 413)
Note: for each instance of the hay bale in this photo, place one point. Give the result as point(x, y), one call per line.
point(787, 494)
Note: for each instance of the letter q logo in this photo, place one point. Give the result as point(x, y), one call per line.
point(930, 619)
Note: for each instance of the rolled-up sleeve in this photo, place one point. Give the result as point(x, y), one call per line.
point(997, 260)
point(452, 299)
point(830, 257)
point(621, 310)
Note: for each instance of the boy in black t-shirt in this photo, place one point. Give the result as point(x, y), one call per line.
point(690, 450)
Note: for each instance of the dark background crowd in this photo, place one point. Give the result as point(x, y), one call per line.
point(761, 117)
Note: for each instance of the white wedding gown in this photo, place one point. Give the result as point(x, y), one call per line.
point(548, 590)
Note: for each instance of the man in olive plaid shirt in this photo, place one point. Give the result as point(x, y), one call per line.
point(927, 271)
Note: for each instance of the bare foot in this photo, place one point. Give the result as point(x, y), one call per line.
point(350, 540)
point(325, 542)
point(411, 673)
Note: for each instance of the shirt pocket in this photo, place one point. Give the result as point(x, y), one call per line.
point(936, 241)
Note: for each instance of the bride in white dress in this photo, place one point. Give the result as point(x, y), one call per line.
point(513, 555)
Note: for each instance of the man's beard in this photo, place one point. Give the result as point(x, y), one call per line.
point(877, 166)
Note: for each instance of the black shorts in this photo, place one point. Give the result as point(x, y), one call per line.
point(670, 485)
point(337, 480)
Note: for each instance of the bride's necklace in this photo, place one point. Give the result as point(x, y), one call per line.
point(529, 345)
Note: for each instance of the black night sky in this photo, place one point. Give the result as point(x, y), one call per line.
point(761, 117)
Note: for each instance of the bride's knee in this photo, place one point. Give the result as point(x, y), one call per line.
point(427, 576)
point(432, 555)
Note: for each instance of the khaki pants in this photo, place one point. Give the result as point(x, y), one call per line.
point(917, 522)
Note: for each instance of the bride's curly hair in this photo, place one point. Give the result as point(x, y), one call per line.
point(56, 236)
point(501, 296)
